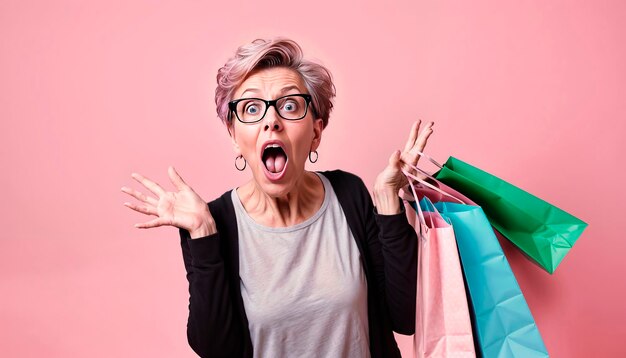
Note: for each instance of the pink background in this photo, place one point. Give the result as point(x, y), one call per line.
point(532, 91)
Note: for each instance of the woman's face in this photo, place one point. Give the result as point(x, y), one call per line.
point(276, 170)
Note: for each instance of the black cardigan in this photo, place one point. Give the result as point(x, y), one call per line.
point(217, 324)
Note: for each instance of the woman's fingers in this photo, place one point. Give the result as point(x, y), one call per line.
point(140, 196)
point(166, 202)
point(407, 156)
point(394, 164)
point(176, 179)
point(144, 209)
point(412, 135)
point(420, 143)
point(411, 156)
point(152, 186)
point(394, 159)
point(152, 223)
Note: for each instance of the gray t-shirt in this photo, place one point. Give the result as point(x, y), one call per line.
point(303, 286)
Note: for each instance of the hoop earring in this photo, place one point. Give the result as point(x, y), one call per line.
point(245, 163)
point(316, 156)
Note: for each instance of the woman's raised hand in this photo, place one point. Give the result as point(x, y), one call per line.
point(391, 179)
point(182, 208)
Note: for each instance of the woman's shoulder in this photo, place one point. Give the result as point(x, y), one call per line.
point(221, 205)
point(342, 177)
point(353, 196)
point(348, 187)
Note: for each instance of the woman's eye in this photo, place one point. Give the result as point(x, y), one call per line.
point(252, 109)
point(290, 106)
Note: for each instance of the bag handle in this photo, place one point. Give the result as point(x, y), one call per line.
point(423, 182)
point(420, 324)
point(428, 201)
point(430, 159)
point(420, 214)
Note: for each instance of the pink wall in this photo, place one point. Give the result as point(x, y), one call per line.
point(91, 91)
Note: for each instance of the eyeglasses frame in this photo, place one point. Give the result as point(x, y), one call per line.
point(232, 106)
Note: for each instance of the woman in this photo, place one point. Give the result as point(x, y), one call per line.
point(293, 262)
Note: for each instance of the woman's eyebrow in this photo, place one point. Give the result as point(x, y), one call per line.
point(250, 90)
point(285, 89)
point(288, 88)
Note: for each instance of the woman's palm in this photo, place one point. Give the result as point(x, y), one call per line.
point(180, 208)
point(392, 175)
point(183, 208)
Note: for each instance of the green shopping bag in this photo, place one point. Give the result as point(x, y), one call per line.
point(542, 231)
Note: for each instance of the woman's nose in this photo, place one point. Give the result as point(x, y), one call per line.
point(275, 126)
point(272, 121)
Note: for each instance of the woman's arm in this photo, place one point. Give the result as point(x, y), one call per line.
point(392, 244)
point(212, 328)
point(397, 237)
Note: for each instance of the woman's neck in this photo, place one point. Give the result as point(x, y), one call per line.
point(299, 204)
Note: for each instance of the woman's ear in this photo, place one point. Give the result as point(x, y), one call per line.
point(231, 132)
point(318, 127)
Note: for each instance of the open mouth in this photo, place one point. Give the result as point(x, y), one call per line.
point(274, 158)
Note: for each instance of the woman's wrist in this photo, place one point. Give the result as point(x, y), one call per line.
point(387, 202)
point(207, 227)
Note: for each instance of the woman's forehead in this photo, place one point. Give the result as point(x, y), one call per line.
point(271, 81)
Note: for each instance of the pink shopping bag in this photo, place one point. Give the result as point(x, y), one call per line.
point(442, 322)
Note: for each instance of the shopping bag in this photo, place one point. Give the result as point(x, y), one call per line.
point(435, 191)
point(542, 231)
point(503, 322)
point(442, 320)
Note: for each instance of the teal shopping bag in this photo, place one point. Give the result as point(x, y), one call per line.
point(503, 322)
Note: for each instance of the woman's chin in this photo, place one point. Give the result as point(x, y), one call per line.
point(275, 184)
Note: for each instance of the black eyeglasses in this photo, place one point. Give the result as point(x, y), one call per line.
point(251, 110)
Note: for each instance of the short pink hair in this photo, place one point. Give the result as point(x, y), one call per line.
point(277, 52)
